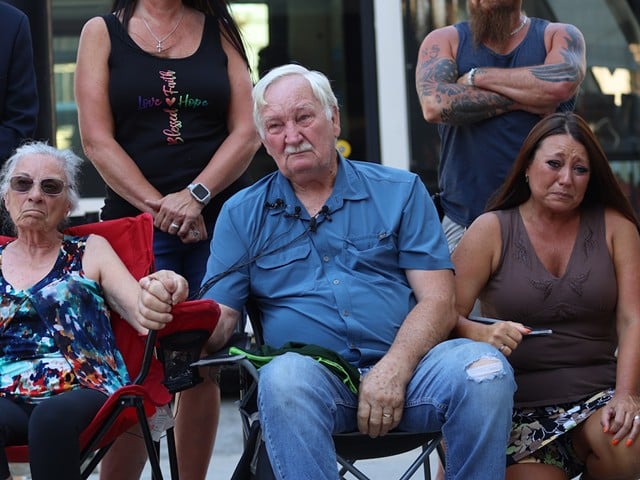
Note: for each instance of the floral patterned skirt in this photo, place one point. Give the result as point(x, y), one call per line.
point(535, 428)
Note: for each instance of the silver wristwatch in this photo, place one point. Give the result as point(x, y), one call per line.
point(200, 193)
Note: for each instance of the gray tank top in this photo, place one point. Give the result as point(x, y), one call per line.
point(578, 359)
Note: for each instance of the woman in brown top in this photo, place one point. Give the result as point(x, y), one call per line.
point(559, 249)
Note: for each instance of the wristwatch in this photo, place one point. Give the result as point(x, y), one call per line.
point(200, 193)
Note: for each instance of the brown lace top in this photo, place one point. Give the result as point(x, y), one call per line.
point(578, 359)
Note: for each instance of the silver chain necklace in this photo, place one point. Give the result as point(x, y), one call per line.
point(160, 41)
point(523, 22)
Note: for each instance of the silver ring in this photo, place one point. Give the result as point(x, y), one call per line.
point(174, 225)
point(194, 233)
point(386, 415)
point(636, 418)
point(502, 347)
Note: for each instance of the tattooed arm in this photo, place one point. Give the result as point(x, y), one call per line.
point(447, 98)
point(540, 89)
point(441, 98)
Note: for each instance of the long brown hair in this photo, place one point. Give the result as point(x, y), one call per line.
point(603, 187)
point(217, 8)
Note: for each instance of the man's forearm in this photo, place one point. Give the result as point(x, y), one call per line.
point(428, 324)
point(538, 88)
point(445, 101)
point(456, 104)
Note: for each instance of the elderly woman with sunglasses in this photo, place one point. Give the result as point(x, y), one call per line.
point(58, 360)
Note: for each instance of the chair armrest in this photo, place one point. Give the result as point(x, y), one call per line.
point(222, 357)
point(180, 343)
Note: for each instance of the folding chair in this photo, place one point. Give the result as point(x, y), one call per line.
point(153, 383)
point(350, 447)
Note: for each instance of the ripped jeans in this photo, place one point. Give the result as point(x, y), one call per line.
point(461, 387)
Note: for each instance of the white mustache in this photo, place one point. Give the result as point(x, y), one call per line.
point(303, 147)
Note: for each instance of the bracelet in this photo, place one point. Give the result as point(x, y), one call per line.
point(471, 77)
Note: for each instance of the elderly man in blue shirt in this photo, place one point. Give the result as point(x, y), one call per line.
point(349, 256)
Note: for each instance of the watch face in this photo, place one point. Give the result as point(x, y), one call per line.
point(200, 191)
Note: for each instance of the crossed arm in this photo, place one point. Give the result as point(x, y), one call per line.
point(447, 96)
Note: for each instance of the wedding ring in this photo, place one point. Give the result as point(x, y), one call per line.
point(194, 233)
point(502, 347)
point(386, 415)
point(174, 226)
point(636, 418)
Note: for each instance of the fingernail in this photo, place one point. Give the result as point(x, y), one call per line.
point(605, 429)
point(615, 442)
point(629, 442)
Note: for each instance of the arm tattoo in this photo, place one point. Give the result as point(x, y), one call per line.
point(433, 72)
point(555, 73)
point(480, 106)
point(569, 71)
point(436, 78)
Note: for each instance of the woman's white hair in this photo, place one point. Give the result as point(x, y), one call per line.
point(318, 82)
point(68, 160)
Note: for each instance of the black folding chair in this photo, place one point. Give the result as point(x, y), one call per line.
point(350, 447)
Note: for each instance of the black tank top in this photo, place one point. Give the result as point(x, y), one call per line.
point(169, 113)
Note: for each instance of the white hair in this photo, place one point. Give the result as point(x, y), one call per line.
point(68, 160)
point(318, 82)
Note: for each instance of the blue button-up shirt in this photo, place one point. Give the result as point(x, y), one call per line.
point(336, 280)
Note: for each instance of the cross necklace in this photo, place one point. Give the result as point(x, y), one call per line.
point(160, 41)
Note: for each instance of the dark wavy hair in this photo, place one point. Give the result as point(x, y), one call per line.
point(603, 187)
point(217, 8)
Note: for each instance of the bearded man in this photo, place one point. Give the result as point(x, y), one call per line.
point(486, 82)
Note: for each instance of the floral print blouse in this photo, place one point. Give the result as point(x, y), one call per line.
point(56, 335)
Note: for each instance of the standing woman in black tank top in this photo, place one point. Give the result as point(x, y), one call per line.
point(164, 107)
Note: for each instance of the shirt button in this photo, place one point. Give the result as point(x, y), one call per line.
point(336, 282)
point(345, 313)
point(325, 258)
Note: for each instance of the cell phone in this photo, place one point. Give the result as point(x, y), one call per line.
point(540, 331)
point(490, 321)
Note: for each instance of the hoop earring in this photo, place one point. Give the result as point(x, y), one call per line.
point(526, 179)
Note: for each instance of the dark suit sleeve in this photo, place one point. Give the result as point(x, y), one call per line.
point(18, 89)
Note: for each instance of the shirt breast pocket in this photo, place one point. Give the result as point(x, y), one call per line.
point(371, 252)
point(288, 271)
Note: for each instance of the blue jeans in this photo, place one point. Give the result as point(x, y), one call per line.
point(187, 259)
point(301, 403)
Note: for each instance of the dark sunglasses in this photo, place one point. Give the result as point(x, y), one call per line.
point(48, 186)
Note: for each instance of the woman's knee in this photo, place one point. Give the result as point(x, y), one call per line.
point(73, 410)
point(53, 415)
point(604, 460)
point(614, 463)
point(534, 471)
point(13, 423)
